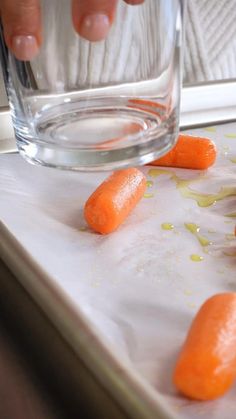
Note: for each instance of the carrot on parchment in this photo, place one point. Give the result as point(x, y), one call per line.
point(189, 153)
point(114, 199)
point(206, 367)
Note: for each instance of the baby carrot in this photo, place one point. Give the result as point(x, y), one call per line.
point(206, 367)
point(189, 153)
point(114, 199)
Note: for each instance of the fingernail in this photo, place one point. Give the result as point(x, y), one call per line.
point(95, 27)
point(24, 47)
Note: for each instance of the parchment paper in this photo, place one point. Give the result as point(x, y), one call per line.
point(139, 285)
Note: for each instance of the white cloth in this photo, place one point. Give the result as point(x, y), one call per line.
point(210, 52)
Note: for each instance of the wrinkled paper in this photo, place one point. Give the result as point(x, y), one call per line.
point(142, 285)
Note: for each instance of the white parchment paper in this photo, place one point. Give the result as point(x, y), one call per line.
point(139, 285)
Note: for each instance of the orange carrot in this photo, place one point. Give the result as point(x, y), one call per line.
point(154, 108)
point(189, 153)
point(114, 199)
point(206, 367)
point(148, 103)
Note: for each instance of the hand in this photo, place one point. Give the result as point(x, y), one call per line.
point(21, 21)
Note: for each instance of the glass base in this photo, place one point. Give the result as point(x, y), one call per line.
point(101, 139)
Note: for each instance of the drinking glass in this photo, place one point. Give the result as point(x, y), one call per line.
point(99, 105)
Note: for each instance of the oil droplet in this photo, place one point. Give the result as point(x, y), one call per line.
point(84, 228)
point(233, 160)
point(159, 172)
point(188, 293)
point(230, 135)
point(196, 258)
point(203, 241)
point(206, 200)
point(194, 229)
point(232, 215)
point(203, 200)
point(179, 182)
point(230, 237)
point(148, 195)
point(167, 226)
point(210, 129)
point(225, 151)
point(149, 183)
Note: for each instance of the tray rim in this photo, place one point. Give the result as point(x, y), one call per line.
point(218, 107)
point(126, 386)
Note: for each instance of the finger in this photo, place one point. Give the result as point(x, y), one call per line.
point(92, 18)
point(134, 2)
point(22, 27)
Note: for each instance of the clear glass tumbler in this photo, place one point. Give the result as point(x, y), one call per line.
point(99, 105)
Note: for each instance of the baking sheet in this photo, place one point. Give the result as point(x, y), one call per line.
point(139, 286)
